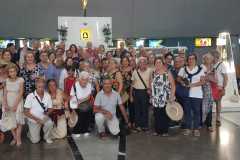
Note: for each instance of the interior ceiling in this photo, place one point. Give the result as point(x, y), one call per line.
point(131, 18)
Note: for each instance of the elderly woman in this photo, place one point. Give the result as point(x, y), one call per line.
point(163, 90)
point(80, 101)
point(193, 74)
point(29, 72)
point(116, 76)
point(207, 91)
point(60, 103)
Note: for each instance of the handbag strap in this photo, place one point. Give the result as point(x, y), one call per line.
point(75, 90)
point(142, 80)
point(41, 104)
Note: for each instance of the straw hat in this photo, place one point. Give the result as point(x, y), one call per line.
point(72, 119)
point(174, 111)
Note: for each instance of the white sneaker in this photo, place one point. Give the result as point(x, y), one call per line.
point(76, 135)
point(49, 141)
point(86, 134)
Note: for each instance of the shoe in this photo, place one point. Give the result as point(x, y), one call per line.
point(218, 123)
point(165, 135)
point(103, 135)
point(86, 134)
point(76, 135)
point(155, 134)
point(13, 142)
point(186, 132)
point(49, 141)
point(210, 129)
point(196, 133)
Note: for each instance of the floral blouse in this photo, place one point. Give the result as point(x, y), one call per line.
point(29, 77)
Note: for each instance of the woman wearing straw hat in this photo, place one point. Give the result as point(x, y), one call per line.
point(163, 90)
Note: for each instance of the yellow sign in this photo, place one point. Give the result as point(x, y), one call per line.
point(85, 34)
point(203, 42)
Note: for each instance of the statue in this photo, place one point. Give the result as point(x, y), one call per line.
point(84, 6)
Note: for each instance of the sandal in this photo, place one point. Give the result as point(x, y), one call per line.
point(13, 142)
point(218, 123)
point(210, 129)
point(155, 134)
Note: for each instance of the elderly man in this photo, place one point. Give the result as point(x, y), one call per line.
point(140, 94)
point(105, 105)
point(38, 107)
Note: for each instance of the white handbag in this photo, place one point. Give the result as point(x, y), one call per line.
point(8, 121)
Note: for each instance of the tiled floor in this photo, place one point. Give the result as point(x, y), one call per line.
point(222, 144)
point(92, 148)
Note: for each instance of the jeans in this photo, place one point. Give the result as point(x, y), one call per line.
point(192, 112)
point(141, 105)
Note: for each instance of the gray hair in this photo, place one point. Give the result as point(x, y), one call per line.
point(84, 75)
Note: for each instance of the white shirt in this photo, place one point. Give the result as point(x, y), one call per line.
point(82, 93)
point(194, 92)
point(220, 71)
point(34, 106)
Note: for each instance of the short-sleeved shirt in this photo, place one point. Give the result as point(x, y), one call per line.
point(195, 92)
point(220, 70)
point(107, 102)
point(136, 81)
point(34, 106)
point(49, 72)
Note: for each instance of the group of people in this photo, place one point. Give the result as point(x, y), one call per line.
point(44, 87)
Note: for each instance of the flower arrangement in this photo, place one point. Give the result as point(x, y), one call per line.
point(62, 32)
point(107, 33)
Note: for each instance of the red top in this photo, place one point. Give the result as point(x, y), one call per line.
point(68, 83)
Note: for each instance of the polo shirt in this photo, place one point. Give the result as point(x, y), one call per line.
point(108, 102)
point(34, 106)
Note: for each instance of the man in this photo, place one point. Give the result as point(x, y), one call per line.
point(35, 47)
point(38, 107)
point(105, 106)
point(48, 69)
point(139, 95)
point(15, 56)
point(169, 61)
point(122, 50)
point(22, 51)
point(222, 79)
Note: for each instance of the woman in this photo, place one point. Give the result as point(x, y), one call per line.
point(80, 102)
point(51, 57)
point(6, 56)
point(74, 51)
point(93, 78)
point(163, 90)
point(60, 103)
point(13, 102)
point(115, 75)
point(207, 91)
point(3, 77)
point(126, 71)
point(29, 72)
point(192, 104)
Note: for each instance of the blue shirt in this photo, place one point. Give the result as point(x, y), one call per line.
point(50, 72)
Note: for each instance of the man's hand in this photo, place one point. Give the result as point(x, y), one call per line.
point(108, 115)
point(40, 122)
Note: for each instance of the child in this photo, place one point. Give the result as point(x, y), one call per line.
point(13, 103)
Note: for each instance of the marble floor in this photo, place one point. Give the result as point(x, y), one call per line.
point(222, 144)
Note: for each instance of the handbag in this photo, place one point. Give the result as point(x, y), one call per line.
point(8, 121)
point(84, 106)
